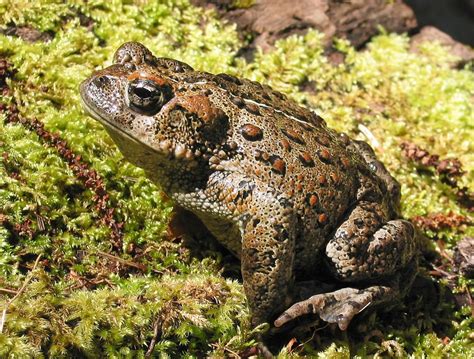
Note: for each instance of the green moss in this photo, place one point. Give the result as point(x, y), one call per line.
point(42, 15)
point(116, 321)
point(243, 4)
point(82, 302)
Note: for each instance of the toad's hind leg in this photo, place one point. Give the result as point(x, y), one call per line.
point(364, 247)
point(339, 306)
point(363, 250)
point(342, 305)
point(377, 167)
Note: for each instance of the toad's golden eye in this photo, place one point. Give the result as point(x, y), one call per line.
point(147, 97)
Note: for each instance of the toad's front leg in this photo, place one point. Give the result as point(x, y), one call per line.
point(264, 241)
point(268, 241)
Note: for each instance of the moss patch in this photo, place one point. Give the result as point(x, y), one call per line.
point(94, 294)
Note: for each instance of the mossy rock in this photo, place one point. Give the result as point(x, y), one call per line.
point(109, 281)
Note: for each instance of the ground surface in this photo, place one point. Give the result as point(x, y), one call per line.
point(86, 265)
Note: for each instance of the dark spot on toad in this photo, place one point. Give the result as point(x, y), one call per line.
point(278, 165)
point(293, 135)
point(306, 158)
point(251, 132)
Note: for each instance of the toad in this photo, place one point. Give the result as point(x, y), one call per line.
point(288, 196)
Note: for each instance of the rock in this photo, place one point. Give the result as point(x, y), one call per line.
point(464, 257)
point(28, 34)
point(356, 20)
point(430, 34)
point(453, 17)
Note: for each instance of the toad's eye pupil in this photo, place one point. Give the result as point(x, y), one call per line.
point(142, 92)
point(148, 97)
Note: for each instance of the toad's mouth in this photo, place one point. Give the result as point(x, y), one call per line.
point(93, 113)
point(165, 147)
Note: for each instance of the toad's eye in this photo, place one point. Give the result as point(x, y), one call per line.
point(148, 97)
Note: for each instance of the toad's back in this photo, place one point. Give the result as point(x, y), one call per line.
point(290, 149)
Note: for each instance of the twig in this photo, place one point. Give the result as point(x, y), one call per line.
point(232, 352)
point(140, 267)
point(9, 291)
point(156, 333)
point(446, 256)
point(22, 289)
point(370, 137)
point(443, 272)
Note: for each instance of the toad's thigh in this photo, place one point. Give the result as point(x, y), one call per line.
point(367, 246)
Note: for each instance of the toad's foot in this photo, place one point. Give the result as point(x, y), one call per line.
point(339, 306)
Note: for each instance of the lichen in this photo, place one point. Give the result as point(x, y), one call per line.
point(91, 296)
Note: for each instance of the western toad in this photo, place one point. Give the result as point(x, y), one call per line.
point(291, 198)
